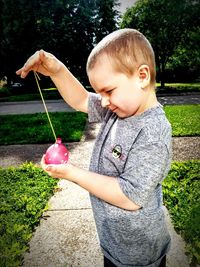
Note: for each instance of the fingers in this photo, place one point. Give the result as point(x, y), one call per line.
point(52, 170)
point(45, 166)
point(32, 63)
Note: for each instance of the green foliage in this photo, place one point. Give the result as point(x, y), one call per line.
point(17, 21)
point(35, 128)
point(106, 18)
point(66, 28)
point(167, 24)
point(7, 97)
point(181, 196)
point(24, 192)
point(184, 64)
point(185, 119)
point(4, 92)
point(179, 87)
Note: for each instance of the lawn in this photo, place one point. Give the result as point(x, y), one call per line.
point(49, 94)
point(185, 119)
point(35, 128)
point(179, 87)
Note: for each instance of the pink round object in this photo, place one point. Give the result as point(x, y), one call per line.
point(57, 153)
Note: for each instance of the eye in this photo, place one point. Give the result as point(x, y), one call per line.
point(110, 91)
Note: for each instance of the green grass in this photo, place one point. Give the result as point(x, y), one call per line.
point(185, 119)
point(180, 87)
point(24, 193)
point(181, 196)
point(35, 128)
point(48, 94)
point(190, 85)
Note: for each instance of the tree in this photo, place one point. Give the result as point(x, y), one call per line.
point(107, 18)
point(17, 29)
point(63, 27)
point(68, 32)
point(165, 23)
point(184, 64)
point(66, 28)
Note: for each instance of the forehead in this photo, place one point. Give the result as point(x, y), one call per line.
point(103, 61)
point(102, 72)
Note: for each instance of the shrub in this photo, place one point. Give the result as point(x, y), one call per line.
point(4, 92)
point(24, 192)
point(181, 196)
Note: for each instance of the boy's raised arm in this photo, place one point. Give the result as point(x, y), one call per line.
point(69, 87)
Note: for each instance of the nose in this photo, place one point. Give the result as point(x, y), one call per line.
point(105, 101)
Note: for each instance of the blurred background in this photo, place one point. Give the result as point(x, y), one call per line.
point(70, 28)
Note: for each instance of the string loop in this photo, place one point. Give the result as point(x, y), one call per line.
point(45, 107)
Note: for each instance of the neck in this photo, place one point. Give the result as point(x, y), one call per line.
point(150, 100)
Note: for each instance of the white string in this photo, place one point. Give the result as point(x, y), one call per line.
point(45, 107)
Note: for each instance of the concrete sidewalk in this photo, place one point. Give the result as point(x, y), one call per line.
point(66, 236)
point(31, 107)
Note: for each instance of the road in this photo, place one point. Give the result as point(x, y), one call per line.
point(31, 107)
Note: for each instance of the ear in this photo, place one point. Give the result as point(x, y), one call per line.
point(144, 75)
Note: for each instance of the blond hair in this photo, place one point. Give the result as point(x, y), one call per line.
point(128, 49)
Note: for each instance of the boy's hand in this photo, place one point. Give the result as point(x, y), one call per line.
point(62, 171)
point(42, 62)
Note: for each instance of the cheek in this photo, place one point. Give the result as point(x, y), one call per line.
point(137, 96)
point(133, 101)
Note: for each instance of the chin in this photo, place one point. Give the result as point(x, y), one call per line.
point(122, 115)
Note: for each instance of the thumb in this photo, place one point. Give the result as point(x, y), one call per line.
point(49, 168)
point(42, 54)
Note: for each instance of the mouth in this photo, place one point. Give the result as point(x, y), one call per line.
point(113, 110)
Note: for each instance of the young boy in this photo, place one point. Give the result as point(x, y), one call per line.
point(132, 153)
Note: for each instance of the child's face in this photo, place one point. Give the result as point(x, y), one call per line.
point(120, 93)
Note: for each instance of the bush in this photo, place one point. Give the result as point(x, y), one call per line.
point(181, 196)
point(24, 192)
point(4, 92)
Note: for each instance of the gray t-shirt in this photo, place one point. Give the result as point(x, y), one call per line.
point(137, 151)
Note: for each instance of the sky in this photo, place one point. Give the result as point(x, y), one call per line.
point(125, 4)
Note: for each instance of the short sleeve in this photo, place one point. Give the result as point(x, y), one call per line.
point(96, 112)
point(145, 168)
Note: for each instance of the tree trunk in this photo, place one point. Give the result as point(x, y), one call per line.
point(162, 75)
point(9, 80)
point(162, 83)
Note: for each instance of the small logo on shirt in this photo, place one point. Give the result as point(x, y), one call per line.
point(117, 151)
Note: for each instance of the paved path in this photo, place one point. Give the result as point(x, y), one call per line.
point(193, 98)
point(60, 105)
point(31, 107)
